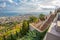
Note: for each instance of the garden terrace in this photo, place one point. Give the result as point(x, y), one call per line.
point(48, 22)
point(43, 25)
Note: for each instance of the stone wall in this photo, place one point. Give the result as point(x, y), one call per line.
point(31, 27)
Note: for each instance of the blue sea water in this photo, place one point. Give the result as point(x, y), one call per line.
point(20, 14)
point(46, 12)
point(8, 14)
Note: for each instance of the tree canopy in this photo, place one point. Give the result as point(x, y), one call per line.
point(41, 17)
point(33, 19)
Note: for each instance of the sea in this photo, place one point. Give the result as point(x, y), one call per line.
point(9, 14)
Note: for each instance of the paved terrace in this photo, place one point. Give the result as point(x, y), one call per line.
point(41, 26)
point(47, 23)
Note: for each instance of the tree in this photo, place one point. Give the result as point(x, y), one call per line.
point(9, 38)
point(41, 17)
point(4, 37)
point(16, 33)
point(12, 37)
point(33, 19)
point(25, 26)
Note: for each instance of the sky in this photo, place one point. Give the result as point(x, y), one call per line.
point(27, 5)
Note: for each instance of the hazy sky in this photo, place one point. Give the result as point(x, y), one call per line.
point(27, 5)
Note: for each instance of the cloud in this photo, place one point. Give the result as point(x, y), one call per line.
point(56, 3)
point(3, 5)
point(47, 6)
point(29, 5)
point(10, 1)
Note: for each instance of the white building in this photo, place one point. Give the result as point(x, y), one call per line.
point(54, 30)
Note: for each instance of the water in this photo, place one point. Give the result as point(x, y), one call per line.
point(19, 14)
point(8, 14)
point(46, 12)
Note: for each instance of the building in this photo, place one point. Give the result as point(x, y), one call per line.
point(54, 30)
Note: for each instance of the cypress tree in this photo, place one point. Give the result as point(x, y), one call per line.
point(4, 37)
